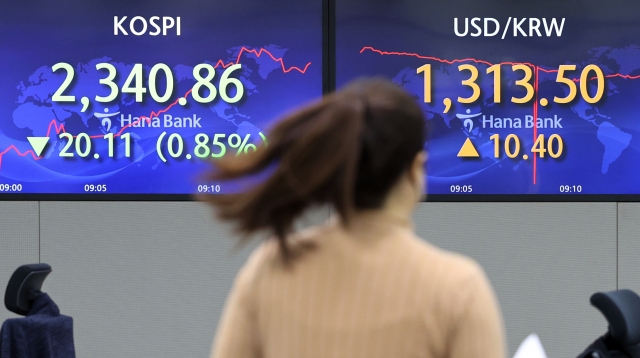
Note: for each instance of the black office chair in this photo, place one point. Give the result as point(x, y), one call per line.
point(43, 332)
point(621, 308)
point(24, 286)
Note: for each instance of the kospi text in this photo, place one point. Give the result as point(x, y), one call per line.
point(138, 25)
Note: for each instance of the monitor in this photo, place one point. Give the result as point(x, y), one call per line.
point(134, 99)
point(524, 100)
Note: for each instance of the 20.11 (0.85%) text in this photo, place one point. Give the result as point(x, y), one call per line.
point(175, 146)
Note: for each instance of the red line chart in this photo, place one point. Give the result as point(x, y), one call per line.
point(536, 71)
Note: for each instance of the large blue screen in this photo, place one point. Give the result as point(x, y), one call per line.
point(533, 98)
point(137, 97)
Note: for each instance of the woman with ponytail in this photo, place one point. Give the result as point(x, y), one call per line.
point(362, 285)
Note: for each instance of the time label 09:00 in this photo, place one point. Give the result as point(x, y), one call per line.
point(10, 188)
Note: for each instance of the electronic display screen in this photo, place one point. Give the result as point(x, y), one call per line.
point(534, 100)
point(136, 97)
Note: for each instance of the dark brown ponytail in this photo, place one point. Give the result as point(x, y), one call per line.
point(346, 150)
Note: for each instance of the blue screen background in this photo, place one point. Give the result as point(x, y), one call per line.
point(601, 141)
point(36, 34)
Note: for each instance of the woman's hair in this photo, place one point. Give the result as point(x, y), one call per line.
point(346, 150)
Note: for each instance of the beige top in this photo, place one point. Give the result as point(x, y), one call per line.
point(373, 290)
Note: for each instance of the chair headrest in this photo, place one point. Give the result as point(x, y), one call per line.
point(621, 308)
point(24, 283)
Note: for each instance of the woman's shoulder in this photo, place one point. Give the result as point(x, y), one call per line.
point(269, 252)
point(455, 281)
point(452, 269)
